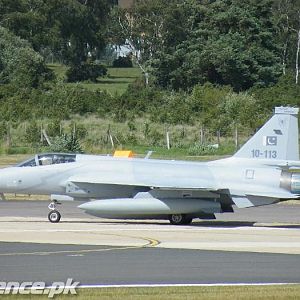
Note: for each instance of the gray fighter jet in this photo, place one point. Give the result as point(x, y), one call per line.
point(264, 171)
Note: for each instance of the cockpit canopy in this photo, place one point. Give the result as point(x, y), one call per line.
point(48, 159)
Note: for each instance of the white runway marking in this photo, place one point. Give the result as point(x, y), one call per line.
point(242, 238)
point(99, 286)
point(155, 229)
point(179, 285)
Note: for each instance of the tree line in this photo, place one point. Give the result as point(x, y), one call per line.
point(180, 43)
point(228, 42)
point(242, 43)
point(214, 62)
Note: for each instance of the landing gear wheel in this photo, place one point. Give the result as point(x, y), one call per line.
point(54, 216)
point(180, 219)
point(188, 220)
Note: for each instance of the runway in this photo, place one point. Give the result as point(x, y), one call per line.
point(92, 265)
point(259, 245)
point(278, 213)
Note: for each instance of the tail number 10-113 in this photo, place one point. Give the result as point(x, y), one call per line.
point(268, 154)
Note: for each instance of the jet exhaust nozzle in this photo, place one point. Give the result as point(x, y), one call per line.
point(290, 181)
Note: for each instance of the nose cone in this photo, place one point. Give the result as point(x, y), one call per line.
point(91, 208)
point(2, 197)
point(101, 205)
point(10, 180)
point(110, 206)
point(86, 206)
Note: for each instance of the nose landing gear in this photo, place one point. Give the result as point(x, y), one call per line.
point(54, 215)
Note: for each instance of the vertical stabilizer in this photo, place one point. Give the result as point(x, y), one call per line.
point(277, 139)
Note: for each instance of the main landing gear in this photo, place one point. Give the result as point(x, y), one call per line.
point(180, 219)
point(54, 215)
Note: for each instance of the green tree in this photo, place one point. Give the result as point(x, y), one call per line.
point(287, 17)
point(71, 29)
point(20, 65)
point(3, 130)
point(284, 92)
point(231, 42)
point(239, 109)
point(33, 133)
point(205, 102)
point(143, 26)
point(146, 27)
point(66, 143)
point(54, 128)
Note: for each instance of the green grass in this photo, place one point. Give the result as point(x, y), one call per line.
point(282, 292)
point(59, 70)
point(173, 153)
point(159, 153)
point(190, 293)
point(9, 160)
point(97, 141)
point(116, 81)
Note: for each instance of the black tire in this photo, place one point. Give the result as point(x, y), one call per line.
point(188, 220)
point(54, 216)
point(180, 219)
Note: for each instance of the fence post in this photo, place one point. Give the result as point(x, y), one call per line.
point(236, 137)
point(42, 136)
point(168, 140)
point(218, 137)
point(74, 130)
point(201, 135)
point(45, 135)
point(110, 137)
point(8, 137)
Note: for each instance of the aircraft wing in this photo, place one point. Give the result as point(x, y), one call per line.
point(200, 188)
point(173, 183)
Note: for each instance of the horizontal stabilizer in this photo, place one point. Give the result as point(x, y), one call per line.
point(242, 202)
point(250, 201)
point(271, 193)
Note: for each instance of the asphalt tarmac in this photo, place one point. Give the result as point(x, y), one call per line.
point(115, 252)
point(276, 213)
point(99, 265)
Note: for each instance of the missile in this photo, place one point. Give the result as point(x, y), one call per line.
point(149, 206)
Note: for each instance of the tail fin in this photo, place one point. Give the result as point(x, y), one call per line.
point(277, 139)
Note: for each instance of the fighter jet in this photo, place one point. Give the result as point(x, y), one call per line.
point(264, 170)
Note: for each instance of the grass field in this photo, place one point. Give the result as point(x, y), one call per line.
point(140, 152)
point(173, 153)
point(193, 293)
point(116, 81)
point(282, 292)
point(9, 160)
point(138, 133)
